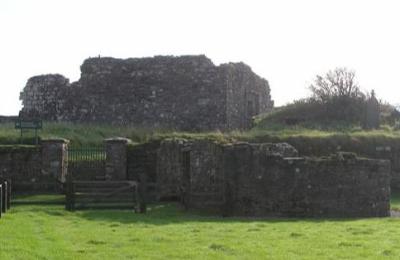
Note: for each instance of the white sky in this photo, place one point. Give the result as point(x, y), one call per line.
point(286, 42)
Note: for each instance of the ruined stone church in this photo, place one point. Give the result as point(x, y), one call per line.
point(182, 93)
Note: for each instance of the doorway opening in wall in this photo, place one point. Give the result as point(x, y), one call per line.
point(250, 110)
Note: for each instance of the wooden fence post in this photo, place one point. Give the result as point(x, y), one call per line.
point(69, 193)
point(72, 196)
point(140, 194)
point(134, 196)
point(8, 194)
point(1, 198)
point(67, 196)
point(4, 205)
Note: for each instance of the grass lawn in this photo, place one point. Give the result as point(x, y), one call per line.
point(167, 232)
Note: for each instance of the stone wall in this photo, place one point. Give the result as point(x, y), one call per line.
point(22, 164)
point(247, 95)
point(35, 168)
point(192, 165)
point(185, 93)
point(387, 148)
point(392, 153)
point(43, 96)
point(270, 180)
point(338, 186)
point(238, 179)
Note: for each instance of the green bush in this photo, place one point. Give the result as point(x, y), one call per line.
point(313, 114)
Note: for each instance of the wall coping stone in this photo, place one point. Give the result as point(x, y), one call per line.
point(55, 140)
point(118, 140)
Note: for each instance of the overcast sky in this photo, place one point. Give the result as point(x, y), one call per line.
point(286, 42)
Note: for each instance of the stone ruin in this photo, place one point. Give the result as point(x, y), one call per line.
point(183, 93)
point(232, 179)
point(243, 179)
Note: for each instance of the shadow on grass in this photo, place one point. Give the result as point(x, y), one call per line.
point(38, 199)
point(173, 213)
point(157, 214)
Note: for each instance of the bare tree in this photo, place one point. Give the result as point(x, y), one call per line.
point(339, 83)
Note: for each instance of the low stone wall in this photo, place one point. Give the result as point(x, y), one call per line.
point(270, 180)
point(380, 147)
point(341, 185)
point(35, 168)
point(184, 165)
point(22, 164)
point(238, 179)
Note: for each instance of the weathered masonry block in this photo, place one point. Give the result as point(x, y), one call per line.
point(54, 158)
point(184, 93)
point(116, 158)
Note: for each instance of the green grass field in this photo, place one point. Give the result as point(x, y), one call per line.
point(167, 232)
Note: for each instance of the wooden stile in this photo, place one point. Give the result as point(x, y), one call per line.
point(104, 194)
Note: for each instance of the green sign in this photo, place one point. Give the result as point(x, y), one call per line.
point(23, 124)
point(33, 124)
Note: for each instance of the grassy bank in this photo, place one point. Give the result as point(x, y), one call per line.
point(95, 134)
point(319, 142)
point(77, 133)
point(168, 232)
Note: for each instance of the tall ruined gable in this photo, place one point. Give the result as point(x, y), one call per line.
point(41, 95)
point(183, 93)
